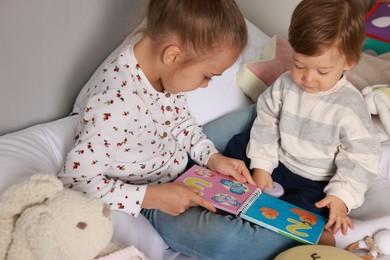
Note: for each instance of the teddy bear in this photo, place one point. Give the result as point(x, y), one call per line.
point(40, 219)
point(377, 98)
point(376, 246)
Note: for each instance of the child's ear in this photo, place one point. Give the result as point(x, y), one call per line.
point(172, 55)
point(349, 65)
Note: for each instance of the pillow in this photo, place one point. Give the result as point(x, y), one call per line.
point(223, 95)
point(316, 252)
point(38, 149)
point(255, 76)
point(377, 29)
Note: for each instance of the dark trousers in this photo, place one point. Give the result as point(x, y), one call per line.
point(298, 190)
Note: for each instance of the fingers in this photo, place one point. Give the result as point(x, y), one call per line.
point(242, 174)
point(198, 200)
point(338, 217)
point(341, 223)
point(265, 185)
point(325, 202)
point(232, 167)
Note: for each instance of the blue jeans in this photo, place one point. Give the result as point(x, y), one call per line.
point(220, 131)
point(206, 235)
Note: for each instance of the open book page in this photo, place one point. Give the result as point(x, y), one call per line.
point(284, 218)
point(222, 191)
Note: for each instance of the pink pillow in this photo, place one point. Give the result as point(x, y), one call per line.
point(255, 76)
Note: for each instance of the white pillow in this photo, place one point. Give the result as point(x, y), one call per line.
point(223, 95)
point(37, 149)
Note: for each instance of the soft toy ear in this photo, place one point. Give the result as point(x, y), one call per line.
point(255, 76)
point(31, 192)
point(19, 197)
point(33, 237)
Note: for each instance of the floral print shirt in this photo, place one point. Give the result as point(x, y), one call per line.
point(130, 136)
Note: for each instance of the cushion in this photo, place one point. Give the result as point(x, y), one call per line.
point(256, 75)
point(223, 95)
point(377, 29)
point(37, 149)
point(310, 252)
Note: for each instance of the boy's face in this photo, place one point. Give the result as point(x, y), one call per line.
point(188, 76)
point(318, 73)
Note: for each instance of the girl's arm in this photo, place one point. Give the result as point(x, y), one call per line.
point(189, 134)
point(104, 125)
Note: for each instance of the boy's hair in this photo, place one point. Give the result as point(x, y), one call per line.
point(320, 24)
point(201, 25)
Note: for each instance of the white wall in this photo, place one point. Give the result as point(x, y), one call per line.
point(50, 48)
point(271, 16)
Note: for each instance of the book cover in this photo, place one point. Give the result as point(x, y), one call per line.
point(248, 202)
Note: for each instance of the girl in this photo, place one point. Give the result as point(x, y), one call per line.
point(135, 130)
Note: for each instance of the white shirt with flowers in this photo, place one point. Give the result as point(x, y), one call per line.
point(130, 136)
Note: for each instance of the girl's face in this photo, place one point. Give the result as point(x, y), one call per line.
point(190, 75)
point(318, 73)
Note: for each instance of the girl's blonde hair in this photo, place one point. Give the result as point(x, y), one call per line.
point(202, 26)
point(320, 24)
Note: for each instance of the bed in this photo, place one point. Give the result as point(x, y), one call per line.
point(40, 146)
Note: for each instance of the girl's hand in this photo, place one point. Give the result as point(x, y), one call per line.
point(230, 167)
point(262, 179)
point(337, 214)
point(173, 198)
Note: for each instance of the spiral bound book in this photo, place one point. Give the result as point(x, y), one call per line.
point(250, 203)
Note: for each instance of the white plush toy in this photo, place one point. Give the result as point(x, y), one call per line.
point(375, 246)
point(377, 98)
point(39, 219)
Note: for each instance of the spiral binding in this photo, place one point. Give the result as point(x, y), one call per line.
point(255, 194)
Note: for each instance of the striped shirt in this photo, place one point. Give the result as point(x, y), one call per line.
point(324, 136)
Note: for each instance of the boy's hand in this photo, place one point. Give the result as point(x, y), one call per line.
point(262, 179)
point(337, 214)
point(230, 167)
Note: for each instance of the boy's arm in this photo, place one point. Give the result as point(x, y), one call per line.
point(263, 144)
point(357, 160)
